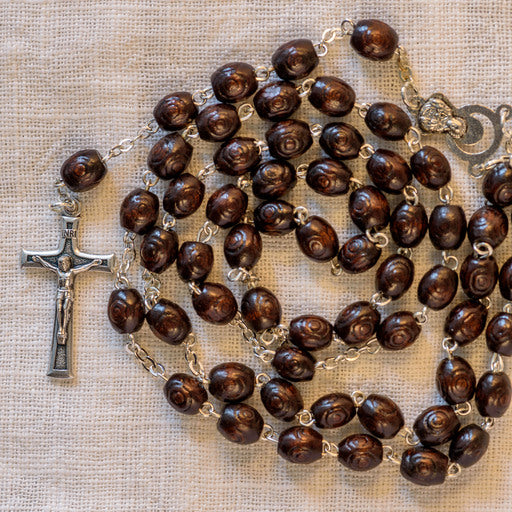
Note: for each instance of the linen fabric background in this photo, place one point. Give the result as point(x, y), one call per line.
point(86, 74)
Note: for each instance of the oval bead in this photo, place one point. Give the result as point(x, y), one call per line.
point(185, 393)
point(360, 452)
point(394, 276)
point(215, 304)
point(466, 321)
point(175, 111)
point(368, 208)
point(447, 227)
point(217, 123)
point(295, 59)
point(333, 410)
point(499, 334)
point(374, 40)
point(357, 323)
point(237, 156)
point(388, 171)
point(398, 331)
point(488, 224)
point(240, 423)
point(274, 217)
point(281, 399)
point(294, 364)
point(234, 82)
point(341, 141)
point(493, 393)
point(195, 261)
point(170, 156)
point(317, 239)
point(272, 179)
point(139, 211)
point(431, 168)
point(260, 309)
point(169, 322)
point(243, 246)
point(310, 332)
point(126, 310)
point(436, 425)
point(227, 205)
point(497, 185)
point(424, 466)
point(469, 445)
point(328, 177)
point(277, 101)
point(332, 96)
point(231, 382)
point(455, 380)
point(158, 250)
point(408, 224)
point(506, 280)
point(83, 170)
point(387, 120)
point(380, 416)
point(183, 196)
point(358, 254)
point(478, 276)
point(438, 287)
point(300, 445)
point(288, 139)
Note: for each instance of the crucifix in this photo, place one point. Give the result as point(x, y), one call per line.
point(66, 261)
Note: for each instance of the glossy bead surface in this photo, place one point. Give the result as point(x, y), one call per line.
point(424, 466)
point(497, 185)
point(226, 206)
point(217, 123)
point(394, 276)
point(139, 211)
point(455, 380)
point(387, 120)
point(358, 254)
point(277, 101)
point(332, 96)
point(169, 322)
point(469, 445)
point(333, 410)
point(431, 168)
point(447, 227)
point(237, 156)
point(506, 280)
point(374, 40)
point(243, 246)
point(488, 224)
point(310, 332)
point(478, 276)
point(328, 177)
point(398, 331)
point(295, 59)
point(240, 423)
point(175, 111)
point(436, 425)
point(438, 287)
point(493, 393)
point(158, 250)
point(360, 452)
point(357, 323)
point(380, 416)
point(260, 309)
point(272, 179)
point(234, 82)
point(274, 217)
point(281, 399)
point(126, 310)
point(83, 170)
point(185, 393)
point(388, 171)
point(300, 445)
point(341, 141)
point(368, 208)
point(317, 239)
point(288, 139)
point(231, 382)
point(170, 156)
point(183, 196)
point(408, 224)
point(466, 321)
point(294, 364)
point(215, 304)
point(195, 261)
point(498, 334)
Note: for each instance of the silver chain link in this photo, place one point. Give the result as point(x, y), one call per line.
point(148, 362)
point(409, 91)
point(150, 128)
point(349, 355)
point(152, 285)
point(194, 364)
point(126, 261)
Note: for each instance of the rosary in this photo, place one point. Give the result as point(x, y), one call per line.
point(264, 167)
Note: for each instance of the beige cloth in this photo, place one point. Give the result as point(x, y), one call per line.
point(79, 74)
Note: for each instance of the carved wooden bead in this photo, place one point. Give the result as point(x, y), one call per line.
point(478, 276)
point(294, 364)
point(83, 170)
point(310, 332)
point(358, 254)
point(506, 280)
point(438, 287)
point(455, 380)
point(300, 445)
point(328, 177)
point(260, 309)
point(139, 211)
point(169, 322)
point(341, 141)
point(226, 206)
point(493, 393)
point(332, 96)
point(424, 466)
point(368, 208)
point(466, 321)
point(175, 111)
point(234, 82)
point(159, 249)
point(274, 217)
point(215, 304)
point(217, 123)
point(408, 224)
point(185, 393)
point(231, 382)
point(170, 156)
point(288, 139)
point(436, 425)
point(240, 423)
point(499, 334)
point(388, 171)
point(237, 156)
point(195, 261)
point(380, 416)
point(398, 331)
point(281, 399)
point(333, 410)
point(447, 227)
point(374, 40)
point(317, 239)
point(126, 310)
point(488, 224)
point(497, 185)
point(431, 168)
point(277, 101)
point(387, 120)
point(242, 246)
point(469, 445)
point(394, 276)
point(357, 323)
point(360, 452)
point(295, 59)
point(183, 196)
point(272, 179)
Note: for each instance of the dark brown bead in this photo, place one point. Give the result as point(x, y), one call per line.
point(360, 452)
point(169, 322)
point(469, 445)
point(274, 217)
point(295, 59)
point(217, 123)
point(185, 393)
point(408, 224)
point(358, 254)
point(240, 423)
point(277, 101)
point(488, 224)
point(332, 96)
point(424, 466)
point(234, 82)
point(273, 179)
point(341, 141)
point(317, 239)
point(357, 323)
point(436, 425)
point(242, 246)
point(231, 382)
point(387, 120)
point(394, 276)
point(497, 185)
point(374, 40)
point(158, 250)
point(260, 309)
point(499, 334)
point(170, 156)
point(183, 196)
point(294, 364)
point(300, 445)
point(368, 208)
point(175, 111)
point(195, 261)
point(328, 177)
point(478, 276)
point(493, 393)
point(226, 206)
point(281, 399)
point(83, 170)
point(389, 171)
point(310, 332)
point(447, 227)
point(455, 380)
point(215, 304)
point(333, 410)
point(431, 168)
point(438, 287)
point(506, 280)
point(380, 416)
point(126, 310)
point(237, 156)
point(398, 331)
point(288, 139)
point(139, 211)
point(466, 321)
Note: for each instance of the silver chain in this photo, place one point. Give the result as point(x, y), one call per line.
point(194, 364)
point(68, 203)
point(348, 355)
point(409, 91)
point(148, 362)
point(152, 285)
point(126, 261)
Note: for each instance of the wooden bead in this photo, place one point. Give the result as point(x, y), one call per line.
point(183, 196)
point(300, 445)
point(185, 393)
point(281, 399)
point(388, 121)
point(175, 111)
point(215, 304)
point(466, 321)
point(237, 156)
point(469, 445)
point(234, 82)
point(242, 246)
point(360, 452)
point(436, 425)
point(332, 96)
point(424, 466)
point(493, 393)
point(195, 261)
point(499, 334)
point(447, 227)
point(139, 211)
point(277, 101)
point(126, 310)
point(380, 416)
point(506, 280)
point(478, 276)
point(158, 250)
point(217, 123)
point(333, 410)
point(83, 170)
point(368, 208)
point(328, 177)
point(394, 276)
point(438, 287)
point(272, 179)
point(455, 380)
point(240, 423)
point(341, 141)
point(388, 171)
point(231, 382)
point(374, 40)
point(274, 217)
point(295, 59)
point(170, 156)
point(294, 364)
point(226, 206)
point(288, 139)
point(317, 239)
point(169, 322)
point(488, 224)
point(357, 323)
point(497, 185)
point(310, 332)
point(260, 309)
point(398, 331)
point(408, 224)
point(358, 254)
point(431, 168)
